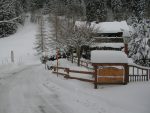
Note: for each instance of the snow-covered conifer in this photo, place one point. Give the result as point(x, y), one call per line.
point(96, 11)
point(10, 15)
point(139, 49)
point(117, 9)
point(41, 44)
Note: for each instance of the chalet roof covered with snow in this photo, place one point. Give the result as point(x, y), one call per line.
point(108, 27)
point(109, 56)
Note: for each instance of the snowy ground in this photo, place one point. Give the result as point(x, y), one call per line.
point(21, 43)
point(32, 89)
point(26, 87)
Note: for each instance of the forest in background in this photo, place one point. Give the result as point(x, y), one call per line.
point(12, 11)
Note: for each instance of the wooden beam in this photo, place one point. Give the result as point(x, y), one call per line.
point(59, 67)
point(108, 64)
point(63, 74)
point(109, 40)
point(83, 72)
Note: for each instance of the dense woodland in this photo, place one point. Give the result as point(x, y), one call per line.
point(12, 11)
point(135, 12)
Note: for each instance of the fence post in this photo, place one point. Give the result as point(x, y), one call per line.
point(149, 73)
point(67, 69)
point(12, 56)
point(126, 67)
point(95, 75)
point(54, 68)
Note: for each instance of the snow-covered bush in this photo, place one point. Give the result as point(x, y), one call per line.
point(139, 49)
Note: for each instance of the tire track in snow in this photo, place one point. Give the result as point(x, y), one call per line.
point(13, 74)
point(23, 92)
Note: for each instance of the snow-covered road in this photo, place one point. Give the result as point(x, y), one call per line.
point(32, 89)
point(24, 91)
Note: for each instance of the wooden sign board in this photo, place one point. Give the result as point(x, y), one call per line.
point(110, 75)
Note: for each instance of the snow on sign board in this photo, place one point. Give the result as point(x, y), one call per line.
point(99, 56)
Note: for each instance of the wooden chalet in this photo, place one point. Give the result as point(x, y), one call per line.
point(107, 36)
point(108, 54)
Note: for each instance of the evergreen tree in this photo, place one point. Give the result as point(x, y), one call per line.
point(117, 9)
point(9, 17)
point(139, 8)
point(57, 7)
point(101, 12)
point(138, 46)
point(90, 11)
point(75, 8)
point(20, 10)
point(36, 4)
point(41, 44)
point(96, 11)
point(24, 4)
point(147, 9)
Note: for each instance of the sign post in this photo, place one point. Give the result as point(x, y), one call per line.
point(12, 56)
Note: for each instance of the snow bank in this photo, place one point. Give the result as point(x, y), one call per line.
point(108, 57)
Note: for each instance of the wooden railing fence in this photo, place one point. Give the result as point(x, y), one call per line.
point(83, 63)
point(138, 73)
point(66, 73)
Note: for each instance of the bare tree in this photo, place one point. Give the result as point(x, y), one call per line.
point(81, 36)
point(71, 35)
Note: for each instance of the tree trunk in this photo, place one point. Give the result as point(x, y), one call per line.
point(71, 55)
point(78, 55)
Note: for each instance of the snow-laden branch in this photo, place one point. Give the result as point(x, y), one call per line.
point(11, 20)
